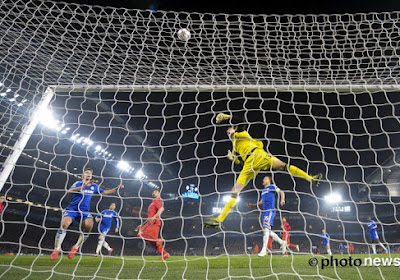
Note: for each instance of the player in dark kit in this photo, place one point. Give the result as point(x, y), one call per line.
point(150, 229)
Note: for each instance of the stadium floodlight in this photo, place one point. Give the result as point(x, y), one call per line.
point(73, 137)
point(3, 94)
point(8, 90)
point(98, 148)
point(139, 174)
point(65, 130)
point(333, 198)
point(123, 165)
point(47, 119)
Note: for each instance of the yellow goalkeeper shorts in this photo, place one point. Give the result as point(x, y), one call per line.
point(257, 161)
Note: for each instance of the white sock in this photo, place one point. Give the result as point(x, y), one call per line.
point(265, 240)
point(59, 238)
point(276, 237)
point(383, 247)
point(82, 238)
point(99, 245)
point(329, 251)
point(374, 249)
point(105, 245)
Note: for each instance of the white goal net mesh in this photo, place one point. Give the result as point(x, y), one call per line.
point(138, 106)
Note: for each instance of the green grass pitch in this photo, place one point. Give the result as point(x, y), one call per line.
point(178, 267)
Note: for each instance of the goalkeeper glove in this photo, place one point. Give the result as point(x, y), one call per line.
point(222, 117)
point(232, 157)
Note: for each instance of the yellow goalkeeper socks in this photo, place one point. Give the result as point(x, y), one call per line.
point(295, 171)
point(227, 208)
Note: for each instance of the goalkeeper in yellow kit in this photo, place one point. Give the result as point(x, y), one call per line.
point(255, 159)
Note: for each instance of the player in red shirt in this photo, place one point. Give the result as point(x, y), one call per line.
point(2, 204)
point(351, 248)
point(286, 235)
point(150, 229)
point(255, 250)
point(269, 245)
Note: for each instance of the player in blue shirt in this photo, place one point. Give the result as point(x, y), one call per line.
point(373, 236)
point(105, 219)
point(78, 210)
point(326, 239)
point(268, 213)
point(341, 248)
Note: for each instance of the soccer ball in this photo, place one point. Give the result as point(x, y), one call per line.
point(184, 34)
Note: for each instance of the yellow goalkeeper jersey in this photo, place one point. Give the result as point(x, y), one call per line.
point(243, 144)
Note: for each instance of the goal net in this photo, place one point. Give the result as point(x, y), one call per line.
point(115, 90)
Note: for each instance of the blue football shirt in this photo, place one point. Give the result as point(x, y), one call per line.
point(80, 201)
point(268, 197)
point(325, 238)
point(107, 216)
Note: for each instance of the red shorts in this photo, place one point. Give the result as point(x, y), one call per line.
point(286, 237)
point(269, 245)
point(150, 232)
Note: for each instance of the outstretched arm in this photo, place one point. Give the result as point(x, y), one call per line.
point(158, 214)
point(78, 189)
point(116, 218)
point(113, 190)
point(252, 205)
point(282, 195)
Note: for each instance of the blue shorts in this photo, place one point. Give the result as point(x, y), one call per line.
point(373, 236)
point(268, 218)
point(77, 215)
point(104, 230)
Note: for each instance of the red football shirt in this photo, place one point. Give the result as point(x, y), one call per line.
point(155, 205)
point(286, 226)
point(2, 205)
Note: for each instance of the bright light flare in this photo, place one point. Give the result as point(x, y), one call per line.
point(226, 198)
point(123, 165)
point(333, 198)
point(140, 174)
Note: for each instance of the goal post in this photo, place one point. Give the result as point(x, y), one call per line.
point(337, 88)
point(26, 133)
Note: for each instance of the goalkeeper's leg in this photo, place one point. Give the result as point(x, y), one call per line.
point(245, 176)
point(215, 223)
point(277, 164)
